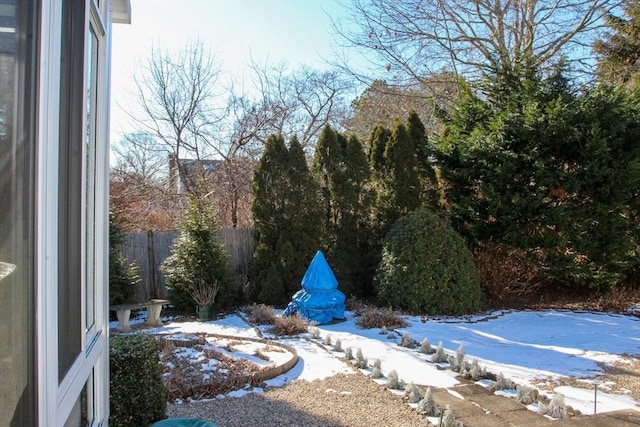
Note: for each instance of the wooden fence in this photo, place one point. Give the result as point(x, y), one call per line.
point(149, 250)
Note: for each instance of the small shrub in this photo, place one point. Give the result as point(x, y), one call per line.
point(457, 362)
point(427, 406)
point(348, 353)
point(376, 373)
point(425, 347)
point(412, 393)
point(449, 419)
point(427, 268)
point(289, 325)
point(506, 273)
point(260, 314)
point(526, 395)
point(439, 356)
point(338, 345)
point(476, 372)
point(198, 259)
point(556, 407)
point(502, 383)
point(361, 361)
point(137, 394)
point(378, 317)
point(393, 382)
point(383, 330)
point(327, 340)
point(407, 341)
point(315, 334)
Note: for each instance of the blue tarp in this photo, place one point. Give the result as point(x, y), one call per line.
point(319, 300)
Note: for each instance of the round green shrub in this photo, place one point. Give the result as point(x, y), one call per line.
point(138, 396)
point(427, 268)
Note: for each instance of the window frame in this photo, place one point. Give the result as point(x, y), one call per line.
point(89, 371)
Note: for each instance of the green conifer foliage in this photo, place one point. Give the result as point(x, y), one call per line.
point(123, 278)
point(550, 172)
point(288, 222)
point(619, 51)
point(341, 169)
point(198, 259)
point(427, 268)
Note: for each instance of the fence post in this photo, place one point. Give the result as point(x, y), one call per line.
point(152, 265)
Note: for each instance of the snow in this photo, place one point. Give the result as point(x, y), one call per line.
point(526, 346)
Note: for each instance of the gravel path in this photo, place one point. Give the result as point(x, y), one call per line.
point(339, 401)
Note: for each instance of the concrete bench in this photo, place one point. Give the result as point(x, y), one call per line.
point(123, 311)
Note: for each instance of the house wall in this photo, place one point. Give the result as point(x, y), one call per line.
point(54, 75)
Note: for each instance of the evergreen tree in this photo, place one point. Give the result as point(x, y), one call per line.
point(619, 51)
point(198, 264)
point(123, 278)
point(288, 222)
point(402, 174)
point(551, 172)
point(341, 169)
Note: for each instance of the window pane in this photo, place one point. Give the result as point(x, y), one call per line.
point(17, 178)
point(70, 218)
point(92, 97)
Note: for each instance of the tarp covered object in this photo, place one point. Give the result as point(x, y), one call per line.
point(319, 300)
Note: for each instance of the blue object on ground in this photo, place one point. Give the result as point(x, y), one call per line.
point(183, 422)
point(319, 300)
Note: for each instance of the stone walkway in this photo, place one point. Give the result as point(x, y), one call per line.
point(481, 408)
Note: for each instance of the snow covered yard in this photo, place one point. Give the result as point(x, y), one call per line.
point(552, 350)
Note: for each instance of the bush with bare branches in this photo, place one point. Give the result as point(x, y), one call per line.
point(289, 325)
point(506, 273)
point(260, 314)
point(379, 317)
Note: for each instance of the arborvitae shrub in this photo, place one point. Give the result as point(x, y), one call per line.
point(407, 341)
point(439, 356)
point(338, 345)
point(327, 340)
point(361, 361)
point(557, 407)
point(393, 382)
point(412, 393)
point(476, 372)
point(449, 419)
point(526, 395)
point(425, 347)
point(138, 396)
point(315, 334)
point(427, 406)
point(427, 268)
point(348, 353)
point(376, 373)
point(460, 353)
point(502, 383)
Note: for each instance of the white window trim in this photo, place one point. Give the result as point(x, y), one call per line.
point(56, 401)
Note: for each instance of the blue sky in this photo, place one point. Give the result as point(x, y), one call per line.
point(294, 31)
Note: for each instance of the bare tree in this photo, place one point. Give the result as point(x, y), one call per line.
point(138, 193)
point(413, 39)
point(214, 131)
point(381, 104)
point(300, 102)
point(176, 94)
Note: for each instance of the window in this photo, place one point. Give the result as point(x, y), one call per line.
point(18, 50)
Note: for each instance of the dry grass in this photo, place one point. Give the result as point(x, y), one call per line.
point(377, 317)
point(289, 325)
point(506, 274)
point(184, 378)
point(260, 314)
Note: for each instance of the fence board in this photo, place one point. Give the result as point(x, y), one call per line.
point(147, 251)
